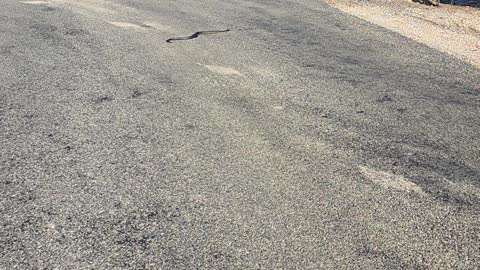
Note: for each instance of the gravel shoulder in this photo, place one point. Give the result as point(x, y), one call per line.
point(450, 29)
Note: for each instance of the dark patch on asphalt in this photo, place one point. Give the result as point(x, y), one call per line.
point(244, 105)
point(75, 32)
point(423, 161)
point(427, 165)
point(402, 110)
point(6, 49)
point(218, 255)
point(390, 261)
point(343, 77)
point(458, 199)
point(142, 242)
point(189, 126)
point(128, 231)
point(165, 80)
point(196, 35)
point(145, 25)
point(475, 92)
point(340, 26)
point(450, 168)
point(45, 31)
point(41, 27)
point(351, 61)
point(102, 99)
point(136, 93)
point(317, 110)
point(449, 100)
point(454, 101)
point(385, 99)
point(48, 9)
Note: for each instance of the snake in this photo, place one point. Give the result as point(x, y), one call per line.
point(196, 35)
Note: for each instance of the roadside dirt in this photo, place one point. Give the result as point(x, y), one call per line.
point(450, 29)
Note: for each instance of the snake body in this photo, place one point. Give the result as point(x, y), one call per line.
point(196, 34)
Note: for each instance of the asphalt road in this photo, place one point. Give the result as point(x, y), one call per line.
point(301, 139)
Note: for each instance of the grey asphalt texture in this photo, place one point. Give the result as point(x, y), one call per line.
point(304, 138)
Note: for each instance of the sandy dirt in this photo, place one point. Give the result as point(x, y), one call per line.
point(450, 29)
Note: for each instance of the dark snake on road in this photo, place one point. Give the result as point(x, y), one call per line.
point(196, 34)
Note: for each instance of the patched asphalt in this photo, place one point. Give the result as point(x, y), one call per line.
point(303, 138)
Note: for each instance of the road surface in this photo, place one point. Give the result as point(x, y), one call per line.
point(303, 138)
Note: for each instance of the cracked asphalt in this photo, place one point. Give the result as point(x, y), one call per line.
point(303, 138)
